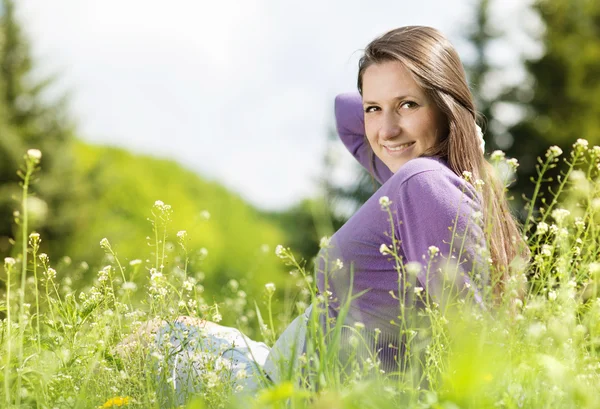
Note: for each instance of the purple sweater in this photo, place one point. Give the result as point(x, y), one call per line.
point(428, 202)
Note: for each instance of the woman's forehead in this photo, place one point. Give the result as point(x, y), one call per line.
point(389, 80)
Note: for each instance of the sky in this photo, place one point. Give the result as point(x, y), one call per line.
point(240, 91)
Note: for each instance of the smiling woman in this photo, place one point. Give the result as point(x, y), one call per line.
point(420, 242)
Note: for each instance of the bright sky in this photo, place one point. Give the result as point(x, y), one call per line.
point(240, 91)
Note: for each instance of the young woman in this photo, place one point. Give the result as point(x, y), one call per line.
point(439, 220)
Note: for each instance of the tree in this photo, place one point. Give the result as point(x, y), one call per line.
point(564, 102)
point(28, 120)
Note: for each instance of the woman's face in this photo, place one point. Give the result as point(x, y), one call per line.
point(401, 121)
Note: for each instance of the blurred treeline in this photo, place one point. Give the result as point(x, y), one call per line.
point(85, 192)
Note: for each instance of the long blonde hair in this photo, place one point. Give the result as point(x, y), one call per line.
point(436, 67)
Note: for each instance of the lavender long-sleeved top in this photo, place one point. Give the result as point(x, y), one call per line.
point(428, 202)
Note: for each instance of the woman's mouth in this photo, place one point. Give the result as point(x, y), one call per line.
point(398, 149)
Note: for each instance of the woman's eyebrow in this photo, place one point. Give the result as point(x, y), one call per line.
point(401, 97)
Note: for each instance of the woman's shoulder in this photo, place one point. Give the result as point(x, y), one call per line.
point(421, 167)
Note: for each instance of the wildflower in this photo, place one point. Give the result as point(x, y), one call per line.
point(51, 274)
point(513, 163)
point(467, 175)
point(497, 156)
point(233, 285)
point(580, 145)
point(116, 401)
point(181, 304)
point(339, 264)
point(479, 183)
point(579, 223)
point(129, 286)
point(104, 244)
point(44, 258)
point(280, 251)
point(552, 295)
point(384, 202)
point(103, 275)
point(433, 251)
point(9, 263)
point(270, 287)
point(542, 228)
point(182, 235)
point(547, 250)
point(204, 214)
point(34, 240)
point(359, 325)
point(324, 242)
point(384, 249)
point(34, 154)
point(560, 215)
point(413, 268)
point(596, 151)
point(418, 290)
point(135, 262)
point(188, 284)
point(203, 252)
point(553, 152)
point(159, 203)
point(217, 317)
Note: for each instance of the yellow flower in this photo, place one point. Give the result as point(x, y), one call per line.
point(116, 401)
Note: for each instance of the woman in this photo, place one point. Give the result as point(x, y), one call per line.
point(427, 229)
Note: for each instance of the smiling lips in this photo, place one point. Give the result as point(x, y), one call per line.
point(398, 148)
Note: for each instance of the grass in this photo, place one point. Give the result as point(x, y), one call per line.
point(537, 347)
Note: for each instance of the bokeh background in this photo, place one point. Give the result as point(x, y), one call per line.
point(224, 110)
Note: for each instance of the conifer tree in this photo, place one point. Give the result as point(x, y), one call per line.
point(29, 120)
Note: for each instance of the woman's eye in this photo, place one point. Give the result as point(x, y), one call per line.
point(408, 104)
point(370, 109)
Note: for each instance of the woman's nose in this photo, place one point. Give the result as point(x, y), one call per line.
point(390, 127)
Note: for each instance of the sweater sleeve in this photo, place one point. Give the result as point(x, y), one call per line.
point(351, 129)
point(437, 210)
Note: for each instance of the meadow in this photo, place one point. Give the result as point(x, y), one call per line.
point(537, 346)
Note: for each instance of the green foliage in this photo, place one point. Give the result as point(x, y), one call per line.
point(563, 101)
point(537, 346)
point(121, 186)
point(28, 120)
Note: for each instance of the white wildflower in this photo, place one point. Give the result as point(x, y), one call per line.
point(418, 290)
point(552, 295)
point(324, 242)
point(384, 249)
point(280, 251)
point(468, 176)
point(182, 234)
point(9, 262)
point(560, 215)
point(104, 244)
point(581, 144)
point(433, 251)
point(384, 202)
point(579, 223)
point(497, 156)
point(542, 228)
point(51, 274)
point(553, 152)
point(135, 262)
point(413, 268)
point(129, 286)
point(359, 325)
point(513, 163)
point(270, 287)
point(34, 154)
point(188, 284)
point(339, 264)
point(203, 252)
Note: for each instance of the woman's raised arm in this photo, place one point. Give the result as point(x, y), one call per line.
point(350, 125)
